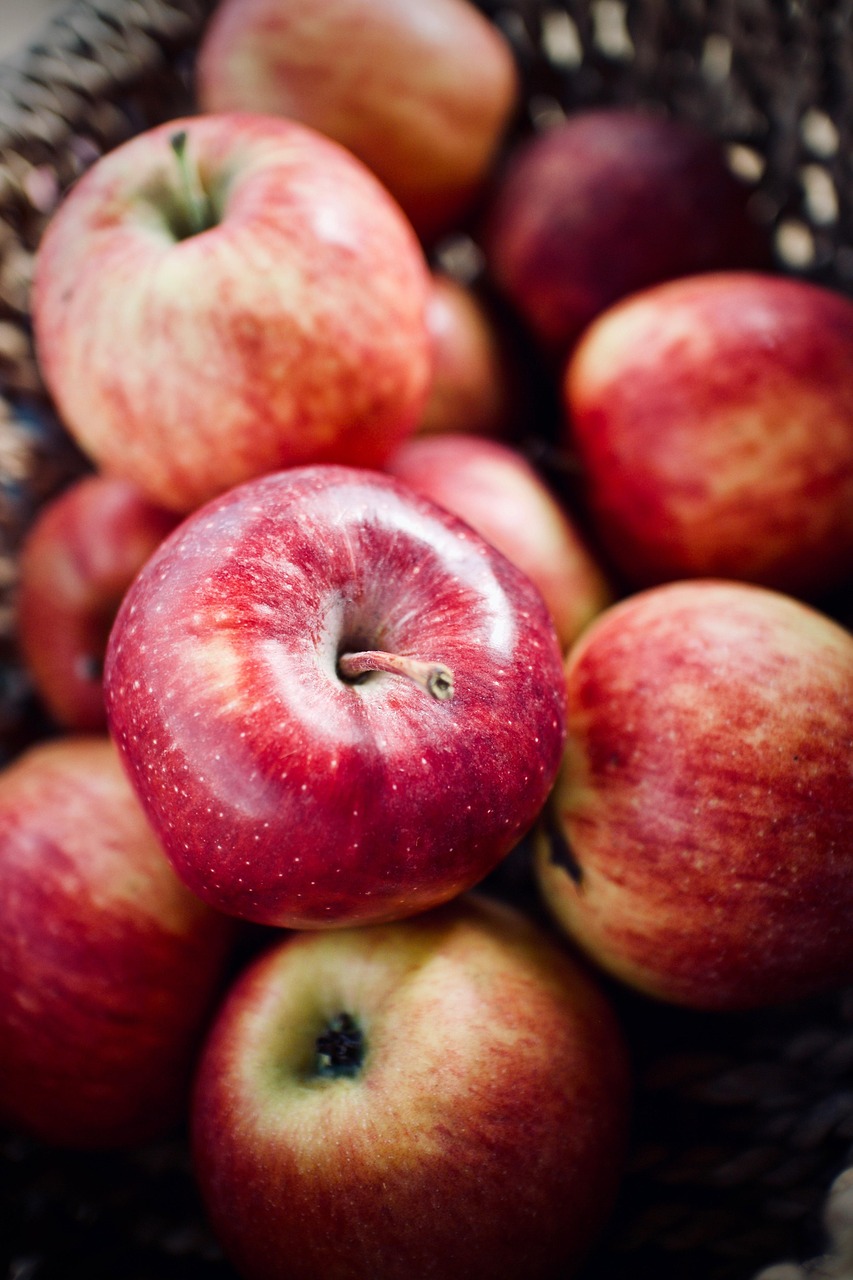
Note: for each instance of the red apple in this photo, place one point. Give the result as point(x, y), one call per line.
point(702, 828)
point(421, 93)
point(225, 295)
point(476, 370)
point(492, 487)
point(79, 557)
point(607, 202)
point(713, 421)
point(108, 966)
point(440, 1096)
point(337, 703)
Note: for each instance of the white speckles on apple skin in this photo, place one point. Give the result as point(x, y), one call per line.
point(351, 787)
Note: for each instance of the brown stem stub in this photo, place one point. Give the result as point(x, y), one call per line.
point(435, 677)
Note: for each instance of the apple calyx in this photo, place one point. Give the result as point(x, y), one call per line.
point(340, 1049)
point(196, 205)
point(435, 677)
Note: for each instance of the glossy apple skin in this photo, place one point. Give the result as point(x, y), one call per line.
point(713, 421)
point(477, 379)
point(607, 202)
point(421, 93)
point(286, 794)
point(492, 486)
point(702, 838)
point(483, 1137)
point(108, 966)
point(79, 557)
point(291, 331)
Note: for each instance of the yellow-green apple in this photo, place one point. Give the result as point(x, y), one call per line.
point(78, 559)
point(445, 1096)
point(422, 93)
point(701, 836)
point(226, 295)
point(477, 373)
point(713, 421)
point(499, 493)
point(337, 703)
point(109, 967)
point(607, 202)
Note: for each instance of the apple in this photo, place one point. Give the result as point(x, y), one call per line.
point(701, 835)
point(444, 1096)
point(78, 559)
point(227, 295)
point(477, 375)
point(712, 418)
point(337, 703)
point(499, 493)
point(109, 967)
point(423, 94)
point(606, 202)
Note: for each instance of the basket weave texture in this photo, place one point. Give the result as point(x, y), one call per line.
point(741, 1122)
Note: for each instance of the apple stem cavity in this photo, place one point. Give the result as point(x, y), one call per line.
point(196, 206)
point(435, 677)
point(340, 1048)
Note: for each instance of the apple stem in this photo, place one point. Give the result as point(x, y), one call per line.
point(196, 202)
point(435, 677)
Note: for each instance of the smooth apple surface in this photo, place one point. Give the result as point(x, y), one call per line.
point(477, 377)
point(422, 93)
point(701, 843)
point(108, 966)
point(292, 779)
point(609, 201)
point(254, 302)
point(445, 1096)
point(496, 490)
point(78, 559)
point(713, 422)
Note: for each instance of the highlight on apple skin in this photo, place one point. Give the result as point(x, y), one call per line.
point(442, 1096)
point(337, 703)
point(712, 418)
point(225, 295)
point(701, 830)
point(422, 93)
point(109, 967)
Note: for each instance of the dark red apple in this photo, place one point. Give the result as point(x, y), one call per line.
point(713, 421)
point(702, 824)
point(109, 967)
point(606, 202)
point(77, 561)
point(445, 1096)
point(336, 701)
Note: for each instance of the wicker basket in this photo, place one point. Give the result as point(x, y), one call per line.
point(743, 1122)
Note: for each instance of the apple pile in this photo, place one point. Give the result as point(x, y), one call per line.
point(323, 642)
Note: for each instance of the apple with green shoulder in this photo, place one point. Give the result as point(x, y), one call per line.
point(109, 967)
point(701, 829)
point(423, 94)
point(226, 295)
point(443, 1096)
point(79, 557)
point(337, 703)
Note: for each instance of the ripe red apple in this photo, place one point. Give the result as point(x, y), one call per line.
point(440, 1096)
point(713, 421)
point(108, 965)
point(476, 386)
point(421, 93)
point(78, 559)
point(702, 827)
point(493, 487)
point(605, 203)
point(337, 703)
point(225, 295)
